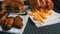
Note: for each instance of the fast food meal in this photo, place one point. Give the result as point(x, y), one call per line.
point(41, 9)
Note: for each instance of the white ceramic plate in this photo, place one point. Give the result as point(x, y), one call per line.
point(53, 19)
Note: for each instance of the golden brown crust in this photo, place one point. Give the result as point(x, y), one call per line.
point(9, 22)
point(4, 17)
point(18, 22)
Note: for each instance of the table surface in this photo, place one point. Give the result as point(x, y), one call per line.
point(32, 29)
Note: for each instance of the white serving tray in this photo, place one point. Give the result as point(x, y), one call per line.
point(53, 19)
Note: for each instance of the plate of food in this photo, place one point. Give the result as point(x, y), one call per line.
point(13, 23)
point(14, 6)
point(42, 19)
point(13, 17)
point(42, 13)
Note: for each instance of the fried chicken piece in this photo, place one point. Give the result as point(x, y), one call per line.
point(18, 22)
point(8, 23)
point(4, 17)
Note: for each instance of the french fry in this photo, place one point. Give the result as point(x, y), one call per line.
point(49, 12)
point(38, 18)
point(31, 14)
point(42, 15)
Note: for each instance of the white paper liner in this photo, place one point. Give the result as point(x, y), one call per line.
point(53, 19)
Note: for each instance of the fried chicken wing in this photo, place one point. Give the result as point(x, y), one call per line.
point(8, 23)
point(18, 22)
point(4, 17)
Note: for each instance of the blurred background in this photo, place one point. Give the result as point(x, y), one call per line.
point(56, 5)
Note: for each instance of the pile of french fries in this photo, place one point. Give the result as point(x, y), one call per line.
point(40, 15)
